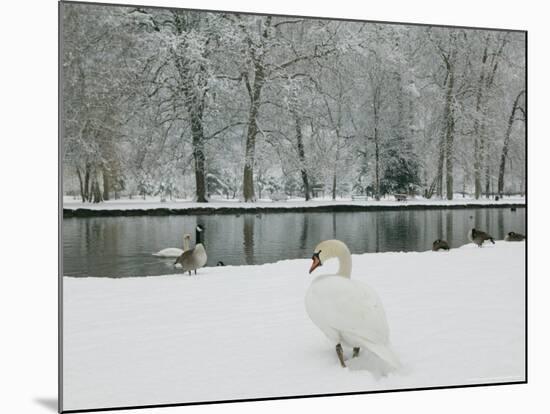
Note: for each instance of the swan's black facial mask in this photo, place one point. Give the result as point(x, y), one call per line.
point(316, 261)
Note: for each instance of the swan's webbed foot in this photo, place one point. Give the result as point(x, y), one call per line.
point(356, 352)
point(190, 273)
point(195, 271)
point(340, 353)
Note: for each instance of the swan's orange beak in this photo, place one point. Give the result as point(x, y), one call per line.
point(316, 263)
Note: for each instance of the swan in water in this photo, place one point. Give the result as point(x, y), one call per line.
point(196, 257)
point(347, 311)
point(174, 251)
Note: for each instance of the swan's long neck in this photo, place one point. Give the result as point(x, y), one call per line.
point(339, 250)
point(344, 258)
point(185, 243)
point(330, 249)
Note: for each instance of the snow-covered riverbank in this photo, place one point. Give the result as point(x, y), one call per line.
point(456, 318)
point(150, 205)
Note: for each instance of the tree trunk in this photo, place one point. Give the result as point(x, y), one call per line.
point(301, 155)
point(522, 183)
point(307, 191)
point(106, 184)
point(505, 145)
point(449, 136)
point(365, 167)
point(487, 177)
point(477, 164)
point(199, 158)
point(248, 182)
point(479, 125)
point(479, 156)
point(486, 82)
point(446, 141)
point(487, 173)
point(193, 88)
point(440, 165)
point(336, 159)
point(81, 184)
point(252, 131)
point(376, 145)
point(87, 195)
point(376, 165)
point(95, 191)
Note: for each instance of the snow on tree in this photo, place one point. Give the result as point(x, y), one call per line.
point(179, 103)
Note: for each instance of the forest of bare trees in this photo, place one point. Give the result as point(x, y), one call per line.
point(178, 103)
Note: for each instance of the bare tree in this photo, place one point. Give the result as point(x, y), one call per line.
point(163, 101)
point(506, 143)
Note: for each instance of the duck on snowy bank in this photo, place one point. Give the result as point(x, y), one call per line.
point(514, 237)
point(196, 257)
point(479, 237)
point(347, 311)
point(440, 245)
point(174, 251)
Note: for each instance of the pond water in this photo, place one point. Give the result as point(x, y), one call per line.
point(123, 246)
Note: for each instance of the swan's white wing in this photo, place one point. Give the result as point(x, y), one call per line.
point(351, 307)
point(169, 252)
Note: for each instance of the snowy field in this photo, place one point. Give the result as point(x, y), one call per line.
point(154, 203)
point(242, 332)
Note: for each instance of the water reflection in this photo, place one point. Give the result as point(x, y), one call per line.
point(304, 232)
point(122, 246)
point(449, 223)
point(500, 218)
point(248, 237)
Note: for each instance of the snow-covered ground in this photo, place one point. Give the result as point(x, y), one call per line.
point(456, 318)
point(154, 203)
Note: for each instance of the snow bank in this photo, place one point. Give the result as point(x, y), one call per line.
point(70, 203)
point(456, 317)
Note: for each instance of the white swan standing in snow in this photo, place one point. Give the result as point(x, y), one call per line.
point(174, 251)
point(347, 311)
